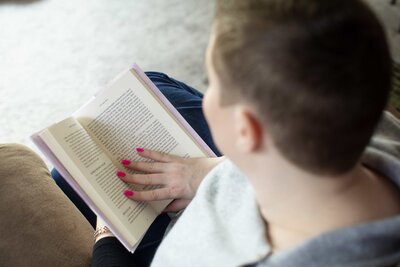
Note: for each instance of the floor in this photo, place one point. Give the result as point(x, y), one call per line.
point(55, 54)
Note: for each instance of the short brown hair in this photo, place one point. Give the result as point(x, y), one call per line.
point(317, 71)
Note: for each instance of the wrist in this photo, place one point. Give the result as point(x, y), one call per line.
point(219, 160)
point(101, 232)
point(213, 162)
point(99, 237)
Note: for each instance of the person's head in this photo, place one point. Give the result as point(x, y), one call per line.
point(314, 74)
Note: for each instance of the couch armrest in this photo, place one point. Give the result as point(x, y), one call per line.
point(39, 226)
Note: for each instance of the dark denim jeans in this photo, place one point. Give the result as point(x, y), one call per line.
point(188, 102)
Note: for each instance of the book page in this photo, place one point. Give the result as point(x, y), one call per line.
point(128, 115)
point(95, 174)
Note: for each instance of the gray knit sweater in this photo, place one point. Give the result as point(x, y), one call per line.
point(222, 225)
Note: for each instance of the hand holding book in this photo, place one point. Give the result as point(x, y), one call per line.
point(88, 148)
point(177, 177)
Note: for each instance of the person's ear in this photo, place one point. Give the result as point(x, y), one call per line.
point(248, 130)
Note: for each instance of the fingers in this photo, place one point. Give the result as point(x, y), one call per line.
point(150, 195)
point(170, 192)
point(155, 166)
point(154, 155)
point(150, 167)
point(143, 179)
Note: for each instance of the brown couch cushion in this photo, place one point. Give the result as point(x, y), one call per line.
point(39, 226)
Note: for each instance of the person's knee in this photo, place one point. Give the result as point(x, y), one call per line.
point(157, 75)
point(38, 221)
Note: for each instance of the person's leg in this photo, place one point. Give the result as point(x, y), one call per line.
point(39, 226)
point(188, 102)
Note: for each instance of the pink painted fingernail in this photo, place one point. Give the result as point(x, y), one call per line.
point(121, 174)
point(128, 193)
point(139, 149)
point(125, 162)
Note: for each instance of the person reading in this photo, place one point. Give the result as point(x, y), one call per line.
point(296, 91)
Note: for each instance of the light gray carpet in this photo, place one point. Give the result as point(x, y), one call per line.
point(55, 54)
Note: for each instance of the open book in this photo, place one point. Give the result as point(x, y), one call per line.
point(87, 148)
